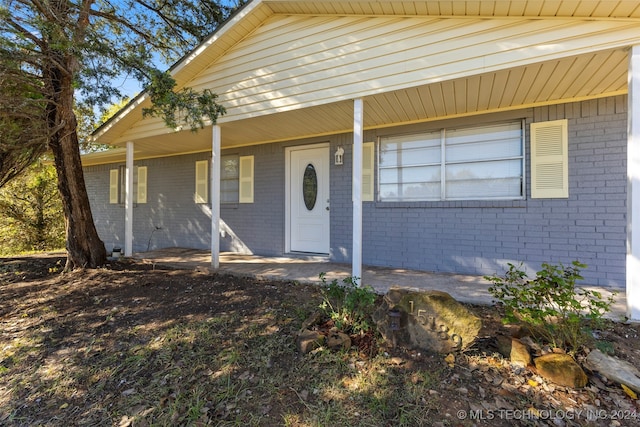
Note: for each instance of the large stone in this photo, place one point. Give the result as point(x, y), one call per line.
point(561, 369)
point(519, 353)
point(338, 341)
point(429, 320)
point(614, 369)
point(307, 340)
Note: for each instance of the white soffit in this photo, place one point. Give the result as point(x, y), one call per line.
point(495, 8)
point(255, 106)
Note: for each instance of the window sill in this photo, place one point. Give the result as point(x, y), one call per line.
point(455, 204)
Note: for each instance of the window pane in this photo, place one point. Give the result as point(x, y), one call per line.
point(410, 150)
point(484, 180)
point(410, 167)
point(310, 187)
point(410, 191)
point(229, 179)
point(230, 168)
point(482, 143)
point(480, 162)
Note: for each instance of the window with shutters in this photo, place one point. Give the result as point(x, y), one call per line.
point(236, 179)
point(473, 163)
point(549, 159)
point(118, 189)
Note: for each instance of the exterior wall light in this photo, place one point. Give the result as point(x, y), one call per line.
point(339, 156)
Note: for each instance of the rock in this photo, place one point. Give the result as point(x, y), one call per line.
point(561, 369)
point(314, 319)
point(307, 341)
point(338, 341)
point(614, 369)
point(429, 320)
point(503, 344)
point(534, 347)
point(519, 354)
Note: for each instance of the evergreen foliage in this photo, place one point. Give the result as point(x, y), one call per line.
point(31, 216)
point(62, 56)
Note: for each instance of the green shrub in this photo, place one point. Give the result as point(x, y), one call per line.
point(550, 305)
point(350, 306)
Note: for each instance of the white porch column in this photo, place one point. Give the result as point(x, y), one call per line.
point(633, 190)
point(356, 258)
point(215, 197)
point(128, 201)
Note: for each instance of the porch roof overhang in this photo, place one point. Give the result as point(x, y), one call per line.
point(575, 68)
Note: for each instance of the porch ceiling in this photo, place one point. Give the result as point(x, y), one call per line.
point(577, 78)
point(496, 8)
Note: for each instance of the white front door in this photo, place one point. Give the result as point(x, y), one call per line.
point(309, 199)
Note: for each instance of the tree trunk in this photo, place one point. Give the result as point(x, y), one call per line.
point(84, 247)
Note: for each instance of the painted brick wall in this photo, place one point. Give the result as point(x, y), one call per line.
point(473, 237)
point(479, 237)
point(258, 227)
point(170, 218)
point(108, 218)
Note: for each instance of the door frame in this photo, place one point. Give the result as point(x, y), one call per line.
point(287, 191)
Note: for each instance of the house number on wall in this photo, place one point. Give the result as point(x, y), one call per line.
point(431, 323)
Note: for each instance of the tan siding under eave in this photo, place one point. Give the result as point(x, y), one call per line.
point(346, 57)
point(604, 80)
point(327, 66)
point(496, 8)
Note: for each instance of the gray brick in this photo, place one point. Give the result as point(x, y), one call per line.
point(472, 237)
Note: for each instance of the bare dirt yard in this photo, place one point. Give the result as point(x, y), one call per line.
point(137, 345)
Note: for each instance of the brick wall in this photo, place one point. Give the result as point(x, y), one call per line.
point(472, 237)
point(481, 237)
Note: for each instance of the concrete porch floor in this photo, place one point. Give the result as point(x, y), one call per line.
point(464, 288)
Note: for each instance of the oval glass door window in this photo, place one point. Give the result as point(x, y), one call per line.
point(310, 186)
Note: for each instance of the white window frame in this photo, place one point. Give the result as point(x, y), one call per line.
point(443, 163)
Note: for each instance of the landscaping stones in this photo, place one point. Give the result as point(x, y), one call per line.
point(614, 369)
point(519, 353)
point(307, 340)
point(561, 369)
point(429, 320)
point(338, 341)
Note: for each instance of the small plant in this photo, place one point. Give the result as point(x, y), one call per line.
point(550, 304)
point(347, 304)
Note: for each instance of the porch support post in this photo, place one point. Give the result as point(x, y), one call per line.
point(128, 201)
point(633, 189)
point(356, 258)
point(215, 197)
